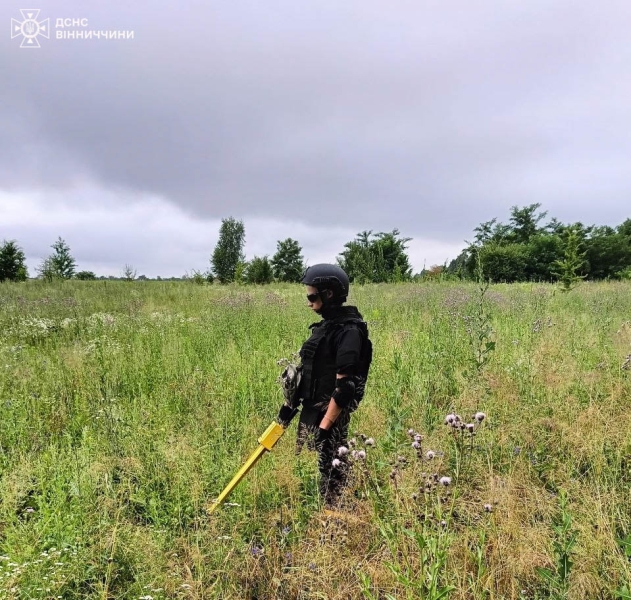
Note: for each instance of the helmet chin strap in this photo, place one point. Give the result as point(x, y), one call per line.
point(327, 301)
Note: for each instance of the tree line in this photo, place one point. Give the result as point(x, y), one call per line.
point(524, 249)
point(379, 257)
point(529, 249)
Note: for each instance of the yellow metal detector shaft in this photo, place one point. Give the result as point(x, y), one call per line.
point(266, 442)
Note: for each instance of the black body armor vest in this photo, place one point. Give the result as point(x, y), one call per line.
point(318, 360)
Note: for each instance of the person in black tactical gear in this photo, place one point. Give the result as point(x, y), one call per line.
point(335, 363)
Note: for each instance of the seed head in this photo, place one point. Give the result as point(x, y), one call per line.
point(336, 463)
point(446, 481)
point(370, 442)
point(470, 427)
point(342, 451)
point(430, 454)
point(411, 432)
point(361, 455)
point(479, 417)
point(488, 508)
point(418, 437)
point(450, 419)
point(416, 445)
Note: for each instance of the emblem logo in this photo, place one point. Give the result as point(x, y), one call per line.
point(30, 28)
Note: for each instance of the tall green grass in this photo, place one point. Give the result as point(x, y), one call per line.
point(127, 407)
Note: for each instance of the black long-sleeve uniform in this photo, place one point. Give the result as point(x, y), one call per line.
point(339, 344)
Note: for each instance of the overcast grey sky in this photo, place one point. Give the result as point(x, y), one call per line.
point(310, 120)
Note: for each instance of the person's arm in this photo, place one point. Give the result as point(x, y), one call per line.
point(332, 412)
point(349, 348)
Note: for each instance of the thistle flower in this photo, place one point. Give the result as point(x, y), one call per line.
point(411, 432)
point(443, 523)
point(352, 442)
point(445, 481)
point(470, 427)
point(361, 455)
point(488, 508)
point(416, 445)
point(354, 454)
point(342, 451)
point(418, 437)
point(370, 442)
point(430, 454)
point(336, 463)
point(450, 419)
point(479, 417)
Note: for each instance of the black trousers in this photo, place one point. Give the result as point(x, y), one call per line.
point(332, 478)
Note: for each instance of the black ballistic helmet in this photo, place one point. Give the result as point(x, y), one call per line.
point(328, 277)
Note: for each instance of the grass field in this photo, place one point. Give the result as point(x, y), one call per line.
point(127, 407)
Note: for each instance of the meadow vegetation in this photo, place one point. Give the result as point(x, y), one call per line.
point(127, 407)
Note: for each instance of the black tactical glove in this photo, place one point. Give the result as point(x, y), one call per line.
point(322, 436)
point(285, 415)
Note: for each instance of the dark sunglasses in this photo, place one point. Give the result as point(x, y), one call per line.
point(313, 297)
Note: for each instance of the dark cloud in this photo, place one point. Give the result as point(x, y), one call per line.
point(430, 117)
